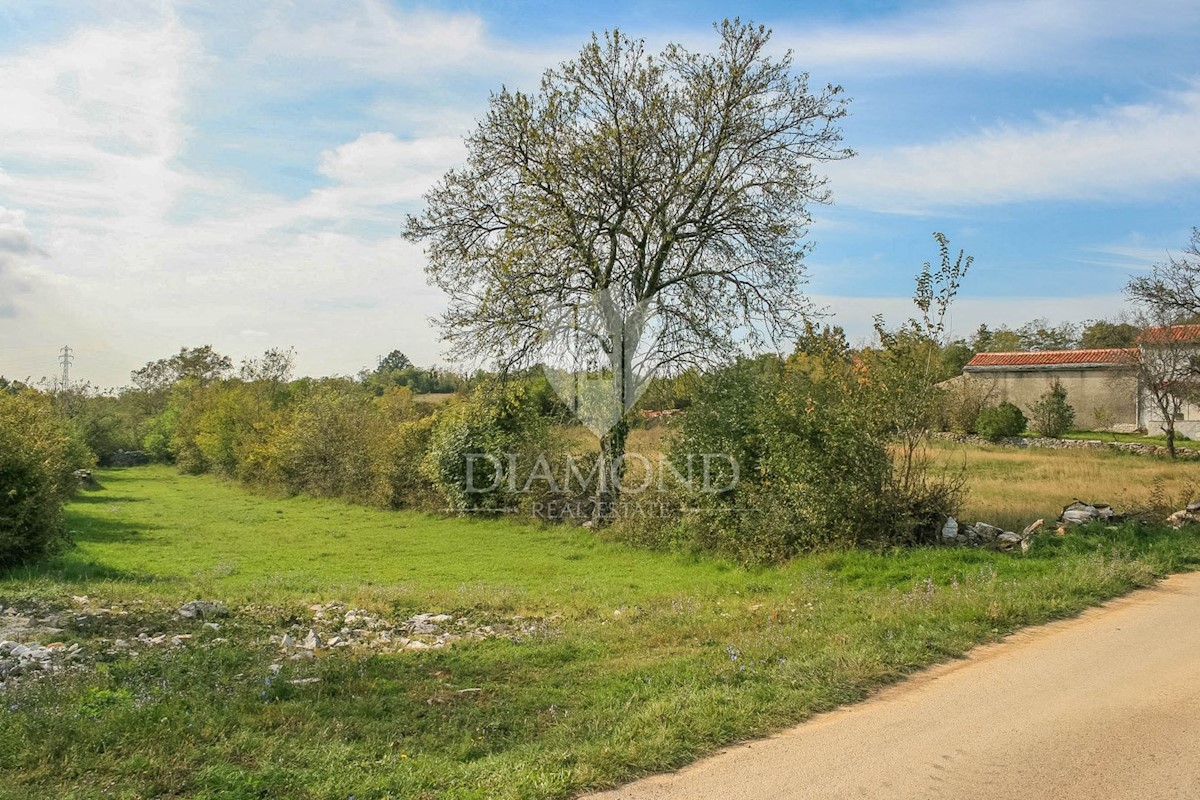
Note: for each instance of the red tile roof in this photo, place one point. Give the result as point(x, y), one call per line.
point(1170, 333)
point(1114, 355)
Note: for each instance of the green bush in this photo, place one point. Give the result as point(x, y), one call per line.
point(37, 456)
point(326, 449)
point(811, 439)
point(1052, 415)
point(499, 424)
point(1000, 421)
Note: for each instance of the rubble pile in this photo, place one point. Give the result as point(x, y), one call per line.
point(334, 626)
point(981, 534)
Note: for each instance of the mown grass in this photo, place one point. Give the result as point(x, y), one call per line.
point(650, 659)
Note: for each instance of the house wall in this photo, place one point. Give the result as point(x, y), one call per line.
point(1088, 389)
point(1151, 418)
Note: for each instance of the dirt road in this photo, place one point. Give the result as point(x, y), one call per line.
point(1103, 706)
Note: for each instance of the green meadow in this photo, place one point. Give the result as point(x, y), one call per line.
point(609, 662)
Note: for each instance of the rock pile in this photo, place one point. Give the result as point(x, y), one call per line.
point(17, 659)
point(1068, 444)
point(203, 609)
point(982, 534)
point(1079, 512)
point(86, 482)
point(126, 458)
point(1185, 516)
point(334, 626)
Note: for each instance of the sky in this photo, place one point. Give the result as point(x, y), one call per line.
point(237, 174)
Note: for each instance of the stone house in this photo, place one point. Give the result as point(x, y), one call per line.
point(1102, 385)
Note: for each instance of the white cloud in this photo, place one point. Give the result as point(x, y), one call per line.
point(371, 37)
point(381, 159)
point(1007, 35)
point(16, 244)
point(378, 169)
point(1119, 152)
point(91, 152)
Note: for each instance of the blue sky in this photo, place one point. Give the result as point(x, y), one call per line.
point(237, 174)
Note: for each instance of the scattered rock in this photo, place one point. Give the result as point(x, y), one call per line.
point(1186, 516)
point(1007, 540)
point(31, 658)
point(203, 609)
point(981, 534)
point(336, 626)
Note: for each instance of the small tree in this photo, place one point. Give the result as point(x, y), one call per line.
point(1000, 421)
point(1166, 372)
point(1166, 357)
point(1052, 415)
point(963, 399)
point(908, 367)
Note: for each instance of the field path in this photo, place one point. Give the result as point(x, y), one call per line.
point(1106, 705)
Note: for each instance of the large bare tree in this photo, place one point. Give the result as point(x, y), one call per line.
point(637, 213)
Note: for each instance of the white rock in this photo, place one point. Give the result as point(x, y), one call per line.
point(950, 529)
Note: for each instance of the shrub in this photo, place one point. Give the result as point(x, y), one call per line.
point(963, 399)
point(498, 424)
point(326, 449)
point(999, 421)
point(37, 456)
point(1052, 415)
point(811, 438)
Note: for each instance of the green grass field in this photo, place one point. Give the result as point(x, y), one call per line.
point(637, 662)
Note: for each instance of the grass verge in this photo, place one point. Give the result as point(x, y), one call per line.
point(640, 661)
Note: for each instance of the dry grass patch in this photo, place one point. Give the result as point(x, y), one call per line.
point(1011, 487)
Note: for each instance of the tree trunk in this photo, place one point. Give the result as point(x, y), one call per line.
point(612, 470)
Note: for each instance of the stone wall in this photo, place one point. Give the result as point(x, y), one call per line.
point(1069, 444)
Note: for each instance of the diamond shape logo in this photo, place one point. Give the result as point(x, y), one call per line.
point(596, 357)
